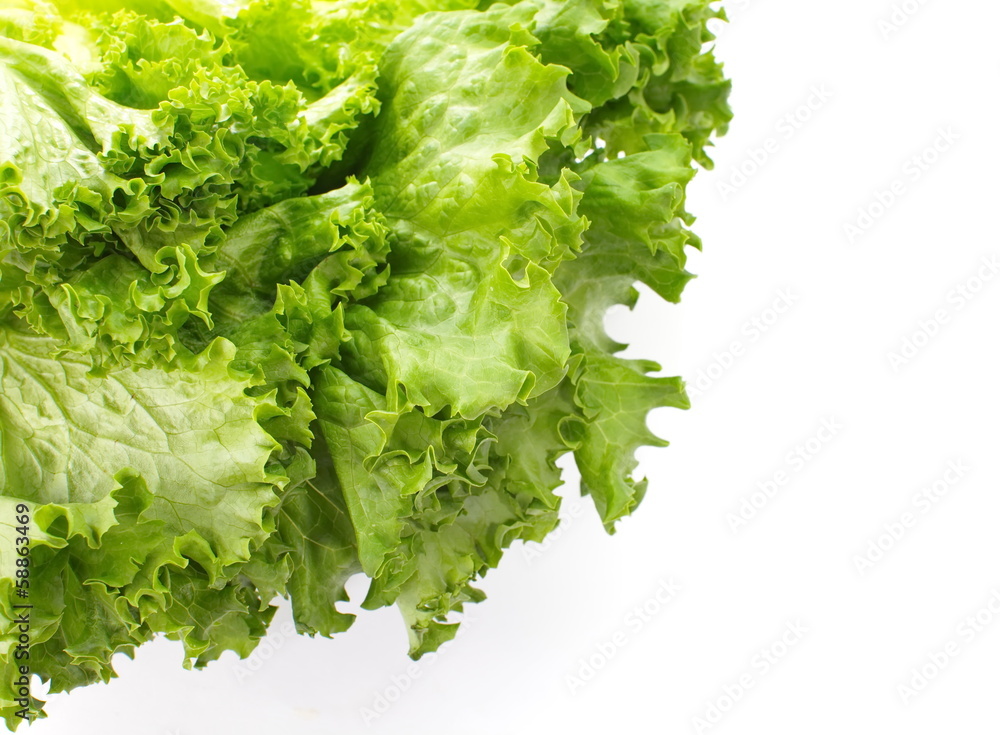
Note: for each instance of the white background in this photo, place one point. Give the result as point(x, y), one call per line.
point(826, 358)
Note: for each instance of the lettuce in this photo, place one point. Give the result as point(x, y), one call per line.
point(292, 291)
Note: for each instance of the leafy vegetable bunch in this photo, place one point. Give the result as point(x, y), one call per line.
point(292, 290)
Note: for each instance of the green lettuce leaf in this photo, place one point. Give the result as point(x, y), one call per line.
point(129, 484)
point(455, 180)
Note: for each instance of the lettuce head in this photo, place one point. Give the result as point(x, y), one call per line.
point(295, 290)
